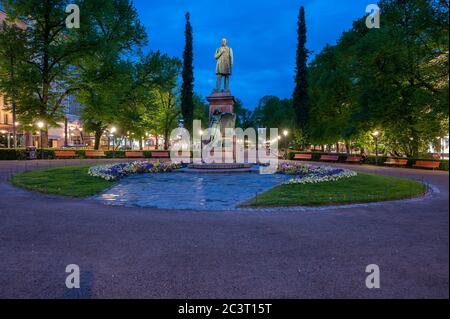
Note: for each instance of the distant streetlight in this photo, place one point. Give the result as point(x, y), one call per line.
point(40, 125)
point(285, 133)
point(376, 134)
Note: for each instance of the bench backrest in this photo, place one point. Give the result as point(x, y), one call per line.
point(302, 156)
point(431, 164)
point(184, 154)
point(354, 159)
point(134, 154)
point(397, 161)
point(94, 153)
point(329, 158)
point(65, 154)
point(160, 154)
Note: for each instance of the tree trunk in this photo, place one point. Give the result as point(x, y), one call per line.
point(66, 133)
point(44, 138)
point(14, 124)
point(141, 145)
point(98, 137)
point(347, 147)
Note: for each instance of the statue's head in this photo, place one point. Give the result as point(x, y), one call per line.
point(224, 42)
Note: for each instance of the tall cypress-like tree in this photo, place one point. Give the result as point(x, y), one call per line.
point(300, 102)
point(187, 89)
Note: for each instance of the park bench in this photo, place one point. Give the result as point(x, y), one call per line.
point(354, 159)
point(160, 154)
point(65, 154)
point(134, 154)
point(184, 154)
point(306, 157)
point(329, 158)
point(94, 154)
point(396, 162)
point(427, 164)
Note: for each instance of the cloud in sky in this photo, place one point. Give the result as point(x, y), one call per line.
point(263, 35)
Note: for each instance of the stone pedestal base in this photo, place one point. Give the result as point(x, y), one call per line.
point(222, 101)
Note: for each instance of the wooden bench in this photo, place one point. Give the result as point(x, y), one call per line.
point(65, 154)
point(329, 158)
point(396, 162)
point(134, 154)
point(161, 154)
point(184, 154)
point(354, 159)
point(305, 157)
point(428, 164)
point(94, 154)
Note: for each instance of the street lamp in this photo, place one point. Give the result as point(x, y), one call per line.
point(285, 133)
point(376, 134)
point(41, 126)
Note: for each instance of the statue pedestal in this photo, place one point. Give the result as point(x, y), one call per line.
point(222, 101)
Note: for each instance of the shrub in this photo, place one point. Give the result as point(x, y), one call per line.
point(9, 154)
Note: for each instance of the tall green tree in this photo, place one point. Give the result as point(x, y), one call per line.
point(187, 88)
point(272, 112)
point(393, 80)
point(106, 77)
point(12, 57)
point(300, 96)
point(52, 49)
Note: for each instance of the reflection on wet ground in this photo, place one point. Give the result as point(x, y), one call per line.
point(189, 191)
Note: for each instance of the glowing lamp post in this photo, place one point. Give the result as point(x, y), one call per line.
point(376, 134)
point(113, 132)
point(285, 133)
point(40, 125)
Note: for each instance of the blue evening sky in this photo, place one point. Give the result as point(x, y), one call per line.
point(262, 33)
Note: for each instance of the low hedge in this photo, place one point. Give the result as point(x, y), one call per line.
point(21, 154)
point(372, 160)
point(8, 154)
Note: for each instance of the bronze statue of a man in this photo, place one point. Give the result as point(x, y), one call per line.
point(225, 60)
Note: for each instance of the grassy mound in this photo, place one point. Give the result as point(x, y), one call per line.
point(364, 188)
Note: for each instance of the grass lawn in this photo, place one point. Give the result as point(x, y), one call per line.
point(70, 181)
point(363, 188)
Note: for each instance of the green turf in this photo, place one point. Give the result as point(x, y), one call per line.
point(70, 181)
point(363, 188)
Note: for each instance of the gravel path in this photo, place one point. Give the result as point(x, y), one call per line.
point(151, 253)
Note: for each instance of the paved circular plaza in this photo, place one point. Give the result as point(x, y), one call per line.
point(128, 252)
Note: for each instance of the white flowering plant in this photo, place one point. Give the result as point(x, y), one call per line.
point(114, 172)
point(309, 174)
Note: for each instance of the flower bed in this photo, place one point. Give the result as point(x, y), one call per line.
point(309, 174)
point(116, 171)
